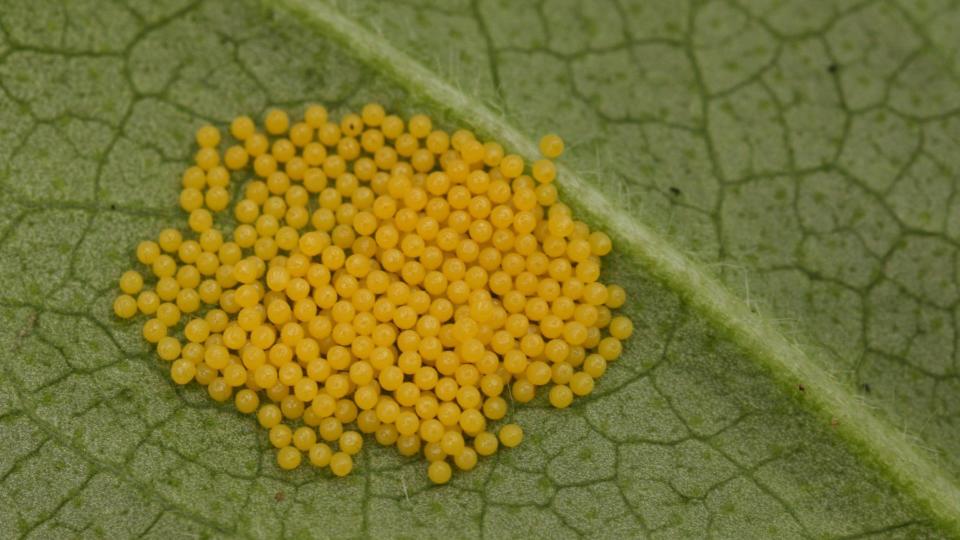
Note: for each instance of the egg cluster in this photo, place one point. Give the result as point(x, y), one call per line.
point(379, 275)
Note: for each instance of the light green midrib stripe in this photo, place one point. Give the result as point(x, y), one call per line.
point(889, 447)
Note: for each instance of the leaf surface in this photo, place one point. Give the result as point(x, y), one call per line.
point(779, 177)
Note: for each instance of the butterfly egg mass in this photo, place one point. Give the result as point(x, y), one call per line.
point(379, 277)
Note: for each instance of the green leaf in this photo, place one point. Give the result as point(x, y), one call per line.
point(779, 177)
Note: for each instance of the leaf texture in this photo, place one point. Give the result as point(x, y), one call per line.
point(797, 159)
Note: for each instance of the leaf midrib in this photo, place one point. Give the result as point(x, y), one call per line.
point(873, 437)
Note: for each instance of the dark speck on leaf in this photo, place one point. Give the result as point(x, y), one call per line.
point(832, 68)
point(675, 191)
point(866, 387)
point(113, 207)
point(279, 496)
point(801, 388)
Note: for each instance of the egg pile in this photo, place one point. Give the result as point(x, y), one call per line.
point(376, 276)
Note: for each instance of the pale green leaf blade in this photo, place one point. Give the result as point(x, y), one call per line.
point(687, 436)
